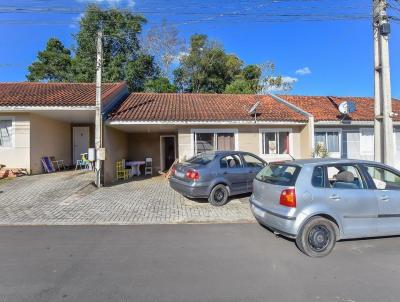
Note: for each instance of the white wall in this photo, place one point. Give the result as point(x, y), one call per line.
point(19, 155)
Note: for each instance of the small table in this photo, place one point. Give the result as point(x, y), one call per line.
point(135, 167)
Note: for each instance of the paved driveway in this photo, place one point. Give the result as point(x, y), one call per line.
point(69, 198)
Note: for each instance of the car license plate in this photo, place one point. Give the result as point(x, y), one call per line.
point(258, 212)
point(179, 174)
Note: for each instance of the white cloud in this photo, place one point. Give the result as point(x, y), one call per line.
point(303, 71)
point(112, 3)
point(287, 84)
point(179, 56)
point(289, 80)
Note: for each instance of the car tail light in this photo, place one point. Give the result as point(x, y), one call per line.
point(173, 169)
point(193, 175)
point(288, 198)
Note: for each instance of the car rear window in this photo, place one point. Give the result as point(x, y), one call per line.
point(202, 158)
point(279, 174)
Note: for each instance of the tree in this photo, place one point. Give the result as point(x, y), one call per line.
point(123, 58)
point(53, 64)
point(259, 79)
point(159, 85)
point(247, 82)
point(139, 71)
point(164, 44)
point(206, 68)
point(271, 82)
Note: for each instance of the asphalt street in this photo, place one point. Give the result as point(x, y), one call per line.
point(210, 262)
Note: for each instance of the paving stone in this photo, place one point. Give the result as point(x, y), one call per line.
point(69, 198)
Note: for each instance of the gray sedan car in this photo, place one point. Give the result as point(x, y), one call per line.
point(216, 175)
point(320, 201)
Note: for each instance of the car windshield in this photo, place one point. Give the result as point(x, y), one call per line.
point(279, 174)
point(202, 158)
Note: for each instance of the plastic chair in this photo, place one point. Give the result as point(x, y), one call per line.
point(121, 171)
point(57, 163)
point(148, 168)
point(47, 164)
point(83, 163)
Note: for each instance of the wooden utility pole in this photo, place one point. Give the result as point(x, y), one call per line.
point(383, 123)
point(99, 119)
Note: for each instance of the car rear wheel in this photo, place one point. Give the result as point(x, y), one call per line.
point(317, 237)
point(219, 195)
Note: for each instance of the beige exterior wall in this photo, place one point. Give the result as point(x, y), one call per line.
point(116, 145)
point(249, 139)
point(185, 146)
point(305, 142)
point(19, 155)
point(142, 145)
point(49, 138)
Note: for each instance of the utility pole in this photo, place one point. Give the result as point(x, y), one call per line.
point(383, 123)
point(99, 119)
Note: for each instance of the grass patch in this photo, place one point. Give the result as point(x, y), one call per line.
point(5, 180)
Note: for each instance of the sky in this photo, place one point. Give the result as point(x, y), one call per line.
point(325, 57)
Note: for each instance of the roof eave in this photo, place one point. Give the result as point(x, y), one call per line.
point(43, 108)
point(236, 122)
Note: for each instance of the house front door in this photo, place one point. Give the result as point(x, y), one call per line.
point(80, 141)
point(167, 152)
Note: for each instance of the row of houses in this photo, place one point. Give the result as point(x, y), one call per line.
point(57, 119)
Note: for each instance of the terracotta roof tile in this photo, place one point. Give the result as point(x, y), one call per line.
point(325, 108)
point(54, 94)
point(201, 107)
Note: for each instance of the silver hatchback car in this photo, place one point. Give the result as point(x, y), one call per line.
point(320, 201)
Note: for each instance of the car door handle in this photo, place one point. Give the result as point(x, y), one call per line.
point(385, 198)
point(250, 172)
point(334, 197)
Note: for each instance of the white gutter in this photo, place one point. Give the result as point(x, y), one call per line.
point(203, 123)
point(344, 123)
point(45, 108)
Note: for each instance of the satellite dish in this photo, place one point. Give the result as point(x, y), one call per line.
point(253, 109)
point(347, 107)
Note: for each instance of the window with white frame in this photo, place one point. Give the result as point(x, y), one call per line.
point(6, 133)
point(275, 142)
point(328, 139)
point(210, 140)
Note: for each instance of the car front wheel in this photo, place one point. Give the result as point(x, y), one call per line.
point(219, 195)
point(317, 237)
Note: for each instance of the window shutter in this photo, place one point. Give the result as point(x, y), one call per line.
point(367, 143)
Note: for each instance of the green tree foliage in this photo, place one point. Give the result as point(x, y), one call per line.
point(159, 85)
point(246, 82)
point(123, 58)
point(206, 68)
point(139, 71)
point(53, 64)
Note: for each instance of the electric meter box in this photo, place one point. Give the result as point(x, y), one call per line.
point(92, 154)
point(101, 154)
